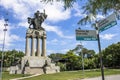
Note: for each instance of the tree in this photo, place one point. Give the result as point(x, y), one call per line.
point(56, 56)
point(72, 60)
point(91, 53)
point(111, 56)
point(67, 3)
point(92, 7)
point(104, 6)
point(11, 57)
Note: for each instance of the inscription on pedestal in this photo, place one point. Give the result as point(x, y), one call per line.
point(36, 62)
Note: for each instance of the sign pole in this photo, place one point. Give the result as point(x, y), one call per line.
point(80, 48)
point(99, 46)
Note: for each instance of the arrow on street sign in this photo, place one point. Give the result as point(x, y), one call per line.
point(106, 23)
point(86, 35)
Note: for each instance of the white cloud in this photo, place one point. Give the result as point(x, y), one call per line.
point(100, 16)
point(18, 7)
point(53, 42)
point(79, 12)
point(50, 51)
point(56, 30)
point(56, 12)
point(108, 36)
point(57, 51)
point(15, 38)
point(57, 42)
point(24, 8)
point(63, 42)
point(23, 24)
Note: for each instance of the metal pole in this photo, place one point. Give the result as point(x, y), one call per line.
point(81, 47)
point(101, 62)
point(3, 51)
point(82, 58)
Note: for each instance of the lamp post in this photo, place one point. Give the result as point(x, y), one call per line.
point(80, 47)
point(3, 47)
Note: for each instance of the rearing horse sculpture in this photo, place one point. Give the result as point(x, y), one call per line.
point(37, 20)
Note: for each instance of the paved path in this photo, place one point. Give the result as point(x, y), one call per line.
point(25, 77)
point(112, 77)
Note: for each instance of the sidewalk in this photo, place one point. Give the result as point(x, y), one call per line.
point(112, 77)
point(25, 77)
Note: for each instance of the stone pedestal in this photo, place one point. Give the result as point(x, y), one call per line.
point(52, 69)
point(36, 61)
point(38, 65)
point(29, 70)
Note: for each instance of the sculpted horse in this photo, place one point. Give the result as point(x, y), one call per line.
point(37, 20)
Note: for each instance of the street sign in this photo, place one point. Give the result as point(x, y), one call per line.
point(86, 35)
point(106, 23)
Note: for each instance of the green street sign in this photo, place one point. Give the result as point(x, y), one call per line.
point(108, 26)
point(107, 23)
point(86, 35)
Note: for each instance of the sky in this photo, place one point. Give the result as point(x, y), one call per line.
point(60, 26)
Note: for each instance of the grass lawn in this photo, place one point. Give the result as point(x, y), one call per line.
point(68, 75)
point(7, 76)
point(73, 75)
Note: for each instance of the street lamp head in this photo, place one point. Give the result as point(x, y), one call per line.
point(80, 46)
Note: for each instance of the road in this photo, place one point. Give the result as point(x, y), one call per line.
point(112, 77)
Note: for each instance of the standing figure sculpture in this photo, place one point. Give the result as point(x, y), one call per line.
point(37, 20)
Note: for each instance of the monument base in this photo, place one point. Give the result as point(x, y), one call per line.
point(35, 70)
point(35, 65)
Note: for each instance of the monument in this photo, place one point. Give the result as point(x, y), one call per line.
point(35, 60)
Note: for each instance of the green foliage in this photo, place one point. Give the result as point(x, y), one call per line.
point(104, 6)
point(56, 56)
point(11, 57)
point(111, 56)
point(89, 63)
point(72, 60)
point(62, 66)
